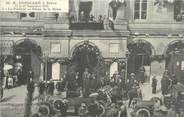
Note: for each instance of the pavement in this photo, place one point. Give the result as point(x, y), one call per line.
point(147, 89)
point(12, 104)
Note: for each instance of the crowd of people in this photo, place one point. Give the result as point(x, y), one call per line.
point(18, 78)
point(88, 83)
point(94, 110)
point(171, 108)
point(167, 82)
point(86, 18)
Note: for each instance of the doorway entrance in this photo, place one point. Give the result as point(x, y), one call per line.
point(87, 55)
point(85, 8)
point(139, 58)
point(175, 60)
point(27, 54)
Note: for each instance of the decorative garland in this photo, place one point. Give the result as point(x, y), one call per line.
point(120, 62)
point(159, 58)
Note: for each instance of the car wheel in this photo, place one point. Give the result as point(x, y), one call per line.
point(143, 112)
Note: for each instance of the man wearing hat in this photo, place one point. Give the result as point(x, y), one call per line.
point(163, 111)
point(82, 112)
point(86, 79)
point(122, 110)
point(171, 112)
point(174, 79)
point(132, 79)
point(154, 84)
point(165, 83)
point(132, 94)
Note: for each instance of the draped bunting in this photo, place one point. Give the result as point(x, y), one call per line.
point(140, 47)
point(177, 46)
point(115, 5)
point(105, 8)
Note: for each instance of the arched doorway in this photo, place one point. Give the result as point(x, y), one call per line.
point(28, 55)
point(139, 58)
point(174, 56)
point(87, 55)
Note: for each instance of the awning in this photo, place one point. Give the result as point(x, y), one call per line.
point(6, 47)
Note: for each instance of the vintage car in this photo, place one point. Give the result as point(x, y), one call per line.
point(59, 104)
point(176, 97)
point(144, 108)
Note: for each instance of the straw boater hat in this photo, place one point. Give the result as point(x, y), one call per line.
point(163, 108)
point(83, 104)
point(132, 74)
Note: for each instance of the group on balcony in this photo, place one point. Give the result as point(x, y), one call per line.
point(86, 21)
point(86, 18)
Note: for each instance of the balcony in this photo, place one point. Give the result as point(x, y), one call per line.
point(86, 26)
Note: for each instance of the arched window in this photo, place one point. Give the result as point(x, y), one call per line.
point(140, 9)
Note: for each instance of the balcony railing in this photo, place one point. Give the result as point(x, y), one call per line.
point(86, 26)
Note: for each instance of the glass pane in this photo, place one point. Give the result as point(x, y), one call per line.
point(144, 6)
point(137, 6)
point(136, 15)
point(143, 16)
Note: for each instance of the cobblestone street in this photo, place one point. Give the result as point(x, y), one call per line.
point(13, 103)
point(94, 53)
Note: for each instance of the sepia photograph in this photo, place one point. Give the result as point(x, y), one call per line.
point(91, 58)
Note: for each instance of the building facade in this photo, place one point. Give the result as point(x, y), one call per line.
point(156, 29)
point(149, 29)
point(49, 42)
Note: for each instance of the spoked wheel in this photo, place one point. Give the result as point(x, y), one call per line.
point(58, 105)
point(143, 112)
point(44, 110)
